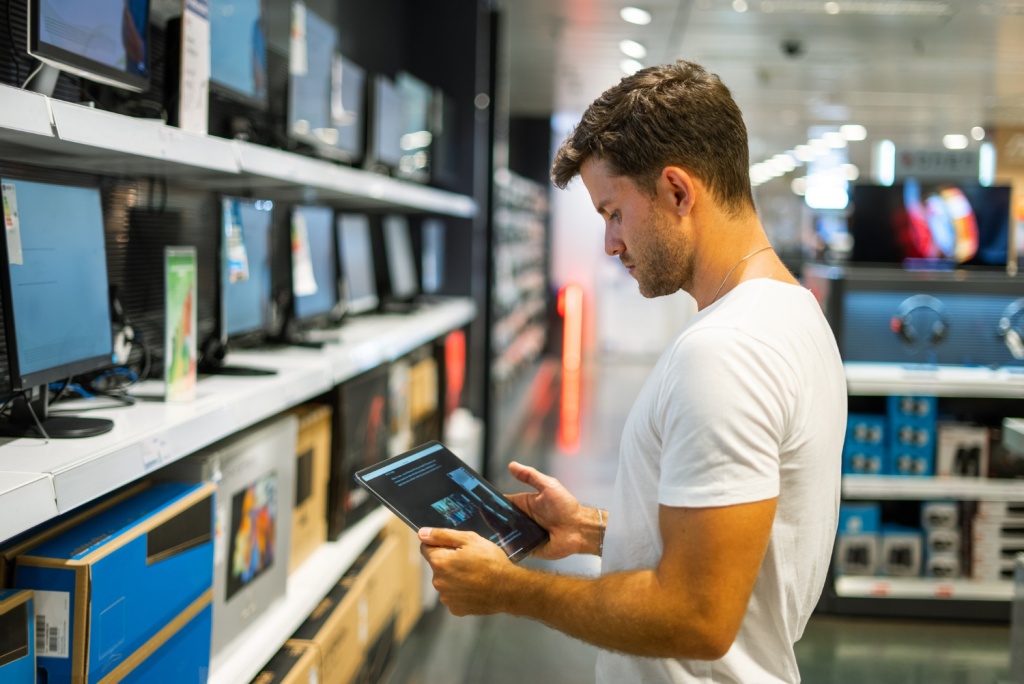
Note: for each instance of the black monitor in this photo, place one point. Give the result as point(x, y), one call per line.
point(309, 84)
point(106, 41)
point(384, 137)
point(432, 255)
point(315, 282)
point(56, 301)
point(355, 256)
point(238, 51)
point(931, 225)
point(397, 280)
point(246, 302)
point(348, 108)
point(417, 102)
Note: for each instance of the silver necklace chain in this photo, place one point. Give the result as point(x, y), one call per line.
point(726, 279)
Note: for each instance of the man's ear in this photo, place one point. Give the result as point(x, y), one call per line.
point(679, 188)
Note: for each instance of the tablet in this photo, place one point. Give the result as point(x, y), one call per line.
point(432, 487)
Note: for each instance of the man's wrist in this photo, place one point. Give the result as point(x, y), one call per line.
point(592, 528)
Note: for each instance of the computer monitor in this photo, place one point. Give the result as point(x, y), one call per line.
point(384, 152)
point(432, 255)
point(309, 83)
point(355, 256)
point(398, 280)
point(348, 108)
point(106, 41)
point(315, 283)
point(245, 297)
point(56, 302)
point(931, 225)
point(417, 101)
point(238, 51)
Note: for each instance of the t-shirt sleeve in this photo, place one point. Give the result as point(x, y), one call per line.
point(723, 413)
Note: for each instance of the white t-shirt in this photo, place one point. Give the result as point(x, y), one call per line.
point(748, 403)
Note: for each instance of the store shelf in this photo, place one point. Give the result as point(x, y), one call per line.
point(86, 139)
point(923, 588)
point(871, 379)
point(922, 488)
point(245, 656)
point(27, 499)
point(152, 433)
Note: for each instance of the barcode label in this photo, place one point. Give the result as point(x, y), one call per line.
point(53, 614)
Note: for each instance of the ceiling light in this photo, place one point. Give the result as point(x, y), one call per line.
point(987, 164)
point(818, 146)
point(885, 162)
point(635, 15)
point(739, 5)
point(799, 186)
point(784, 162)
point(850, 171)
point(853, 132)
point(834, 139)
point(630, 66)
point(633, 49)
point(954, 141)
point(832, 7)
point(804, 153)
point(978, 133)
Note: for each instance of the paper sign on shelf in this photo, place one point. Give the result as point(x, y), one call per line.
point(234, 243)
point(180, 323)
point(303, 278)
point(194, 93)
point(12, 226)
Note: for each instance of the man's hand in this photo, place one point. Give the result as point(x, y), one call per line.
point(470, 573)
point(572, 527)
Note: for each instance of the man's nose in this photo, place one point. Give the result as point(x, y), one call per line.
point(613, 246)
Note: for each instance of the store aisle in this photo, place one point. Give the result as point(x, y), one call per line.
point(502, 649)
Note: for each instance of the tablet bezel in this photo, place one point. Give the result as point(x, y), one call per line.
point(523, 523)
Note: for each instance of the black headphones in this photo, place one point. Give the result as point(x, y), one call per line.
point(1009, 324)
point(916, 308)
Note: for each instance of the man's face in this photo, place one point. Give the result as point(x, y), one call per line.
point(641, 230)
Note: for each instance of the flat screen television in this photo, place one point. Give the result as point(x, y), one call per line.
point(106, 41)
point(355, 256)
point(309, 83)
point(417, 109)
point(348, 108)
point(397, 280)
point(238, 51)
point(57, 321)
point(315, 284)
point(933, 225)
point(384, 137)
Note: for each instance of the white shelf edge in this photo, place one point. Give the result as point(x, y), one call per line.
point(245, 656)
point(879, 379)
point(24, 112)
point(923, 588)
point(31, 500)
point(914, 488)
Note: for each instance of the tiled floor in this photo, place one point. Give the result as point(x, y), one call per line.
point(839, 650)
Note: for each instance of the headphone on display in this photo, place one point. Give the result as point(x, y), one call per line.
point(914, 309)
point(1009, 324)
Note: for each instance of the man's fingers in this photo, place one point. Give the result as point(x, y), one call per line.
point(436, 536)
point(531, 476)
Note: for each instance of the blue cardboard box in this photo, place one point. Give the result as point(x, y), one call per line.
point(184, 658)
point(859, 518)
point(866, 446)
point(107, 590)
point(914, 410)
point(910, 460)
point(17, 642)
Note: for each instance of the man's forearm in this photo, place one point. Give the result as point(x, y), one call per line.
point(630, 612)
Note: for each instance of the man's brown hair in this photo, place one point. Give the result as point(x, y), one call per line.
point(671, 115)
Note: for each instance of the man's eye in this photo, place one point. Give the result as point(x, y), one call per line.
point(616, 216)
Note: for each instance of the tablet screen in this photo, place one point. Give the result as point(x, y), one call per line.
point(431, 487)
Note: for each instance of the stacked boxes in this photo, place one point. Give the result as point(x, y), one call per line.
point(963, 450)
point(865, 449)
point(298, 662)
point(127, 592)
point(912, 428)
point(857, 544)
point(900, 551)
point(940, 522)
point(312, 470)
point(17, 642)
point(997, 536)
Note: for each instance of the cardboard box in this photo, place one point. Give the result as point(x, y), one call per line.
point(963, 450)
point(17, 637)
point(900, 552)
point(360, 439)
point(866, 446)
point(400, 435)
point(856, 554)
point(410, 583)
point(179, 654)
point(943, 565)
point(255, 475)
point(942, 541)
point(911, 460)
point(312, 471)
point(298, 662)
point(863, 460)
point(106, 590)
point(337, 630)
point(940, 515)
point(866, 429)
point(859, 518)
point(913, 410)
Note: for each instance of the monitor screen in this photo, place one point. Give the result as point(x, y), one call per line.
point(245, 265)
point(432, 258)
point(314, 264)
point(309, 83)
point(103, 40)
point(238, 48)
point(56, 304)
point(387, 123)
point(252, 537)
point(355, 254)
point(401, 264)
point(417, 100)
point(348, 106)
point(917, 224)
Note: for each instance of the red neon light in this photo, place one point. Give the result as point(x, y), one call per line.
point(570, 306)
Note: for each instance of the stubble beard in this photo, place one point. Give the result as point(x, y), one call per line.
point(663, 262)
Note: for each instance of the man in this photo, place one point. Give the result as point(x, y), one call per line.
point(724, 511)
